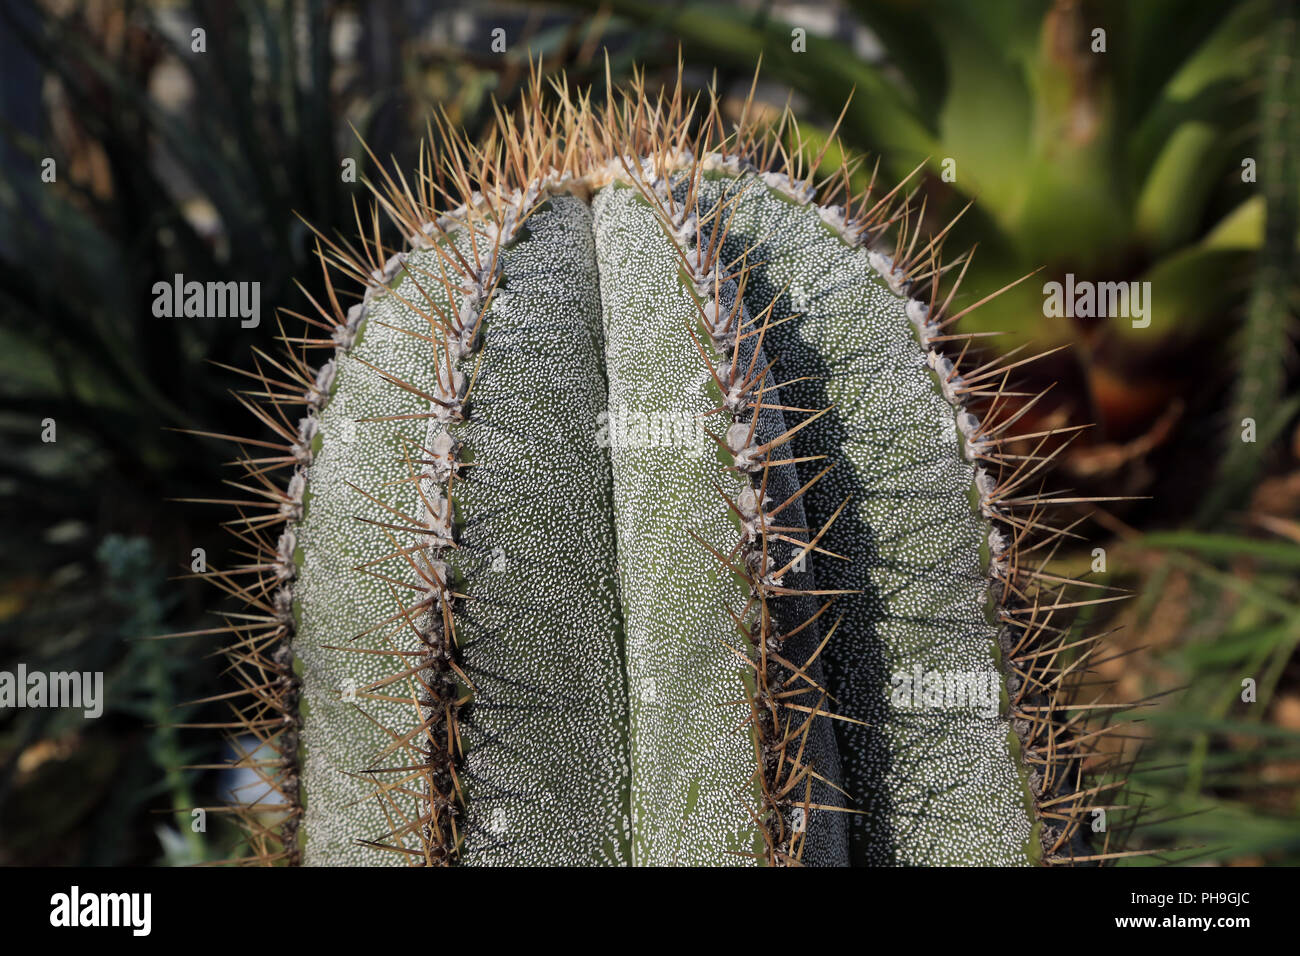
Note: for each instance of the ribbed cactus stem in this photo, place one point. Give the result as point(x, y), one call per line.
point(639, 516)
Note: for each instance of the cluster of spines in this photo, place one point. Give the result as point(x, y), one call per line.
point(782, 699)
point(468, 280)
point(1059, 733)
point(260, 657)
point(569, 145)
point(454, 301)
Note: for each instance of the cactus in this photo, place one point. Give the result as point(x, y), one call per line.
point(638, 515)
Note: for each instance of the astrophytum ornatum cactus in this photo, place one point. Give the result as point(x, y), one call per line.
point(642, 514)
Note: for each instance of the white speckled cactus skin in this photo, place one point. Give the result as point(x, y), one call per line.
point(941, 786)
point(595, 642)
point(541, 627)
point(632, 494)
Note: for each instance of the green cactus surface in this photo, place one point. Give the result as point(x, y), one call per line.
point(645, 509)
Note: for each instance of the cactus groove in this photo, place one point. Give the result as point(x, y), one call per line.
point(646, 509)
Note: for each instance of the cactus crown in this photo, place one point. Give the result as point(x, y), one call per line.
point(648, 509)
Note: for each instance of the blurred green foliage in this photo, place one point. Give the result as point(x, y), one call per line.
point(1218, 615)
